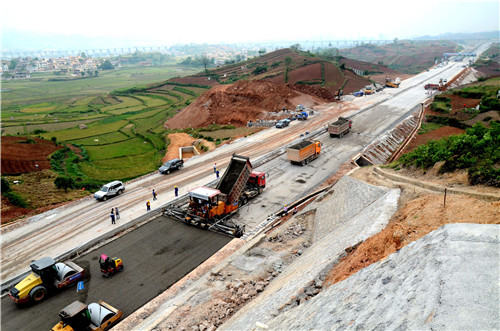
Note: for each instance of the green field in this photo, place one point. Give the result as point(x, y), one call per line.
point(40, 89)
point(124, 134)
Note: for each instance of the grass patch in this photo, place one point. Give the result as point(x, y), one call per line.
point(103, 139)
point(129, 147)
point(94, 129)
point(429, 127)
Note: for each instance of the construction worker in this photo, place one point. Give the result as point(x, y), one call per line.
point(148, 206)
point(154, 194)
point(217, 172)
point(285, 210)
point(295, 210)
point(215, 167)
point(176, 189)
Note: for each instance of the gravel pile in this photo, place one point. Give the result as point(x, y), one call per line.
point(446, 280)
point(362, 211)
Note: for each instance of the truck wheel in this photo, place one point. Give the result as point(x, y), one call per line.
point(38, 293)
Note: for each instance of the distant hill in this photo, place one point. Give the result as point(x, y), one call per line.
point(462, 36)
point(489, 62)
point(301, 69)
point(410, 57)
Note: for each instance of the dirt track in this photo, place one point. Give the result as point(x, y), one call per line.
point(155, 256)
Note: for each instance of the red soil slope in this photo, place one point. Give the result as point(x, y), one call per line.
point(238, 103)
point(20, 157)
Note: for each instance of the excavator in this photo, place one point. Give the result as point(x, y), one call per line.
point(212, 208)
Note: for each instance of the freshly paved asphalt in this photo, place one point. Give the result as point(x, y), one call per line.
point(155, 256)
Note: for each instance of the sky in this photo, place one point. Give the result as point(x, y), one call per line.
point(149, 22)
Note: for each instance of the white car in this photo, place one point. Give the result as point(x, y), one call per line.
point(109, 190)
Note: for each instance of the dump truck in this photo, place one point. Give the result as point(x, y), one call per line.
point(340, 127)
point(393, 83)
point(303, 152)
point(212, 208)
point(46, 275)
point(95, 317)
point(440, 87)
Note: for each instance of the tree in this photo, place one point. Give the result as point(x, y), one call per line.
point(262, 51)
point(83, 55)
point(295, 47)
point(205, 61)
point(63, 182)
point(54, 140)
point(96, 73)
point(12, 64)
point(106, 65)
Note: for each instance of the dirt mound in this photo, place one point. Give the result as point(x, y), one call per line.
point(238, 103)
point(416, 219)
point(420, 214)
point(21, 156)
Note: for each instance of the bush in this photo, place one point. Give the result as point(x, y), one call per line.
point(15, 199)
point(477, 150)
point(489, 103)
point(5, 185)
point(260, 69)
point(39, 131)
point(63, 182)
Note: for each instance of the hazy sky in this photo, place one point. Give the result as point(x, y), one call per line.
point(226, 21)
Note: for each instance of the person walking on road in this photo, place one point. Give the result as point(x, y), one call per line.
point(215, 167)
point(117, 213)
point(217, 172)
point(176, 189)
point(154, 194)
point(148, 206)
point(112, 210)
point(112, 218)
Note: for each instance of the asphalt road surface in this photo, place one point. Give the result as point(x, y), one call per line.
point(155, 256)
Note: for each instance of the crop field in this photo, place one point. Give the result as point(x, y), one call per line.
point(128, 147)
point(107, 138)
point(124, 117)
point(94, 129)
point(40, 88)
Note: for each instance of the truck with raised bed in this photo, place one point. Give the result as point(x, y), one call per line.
point(340, 127)
point(212, 208)
point(303, 152)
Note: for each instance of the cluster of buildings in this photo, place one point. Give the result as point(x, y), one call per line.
point(73, 65)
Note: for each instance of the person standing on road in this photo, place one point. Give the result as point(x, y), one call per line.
point(285, 210)
point(148, 206)
point(154, 194)
point(112, 218)
point(176, 189)
point(117, 213)
point(112, 211)
point(217, 172)
point(215, 167)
